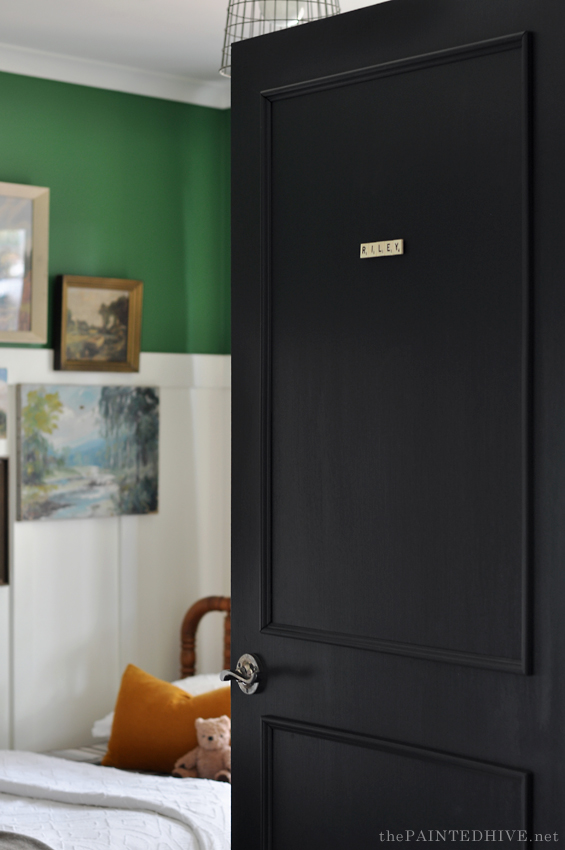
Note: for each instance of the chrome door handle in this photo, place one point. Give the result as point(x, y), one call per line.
point(247, 674)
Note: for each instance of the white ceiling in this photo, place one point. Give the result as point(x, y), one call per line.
point(163, 48)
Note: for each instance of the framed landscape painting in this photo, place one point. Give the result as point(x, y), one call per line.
point(100, 324)
point(24, 250)
point(87, 451)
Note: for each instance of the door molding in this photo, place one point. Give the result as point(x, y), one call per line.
point(522, 664)
point(270, 725)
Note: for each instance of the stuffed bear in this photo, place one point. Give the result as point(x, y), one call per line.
point(211, 759)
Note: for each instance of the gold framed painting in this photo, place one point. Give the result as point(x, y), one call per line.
point(100, 324)
point(24, 255)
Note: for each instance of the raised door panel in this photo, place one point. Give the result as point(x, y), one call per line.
point(396, 389)
point(449, 798)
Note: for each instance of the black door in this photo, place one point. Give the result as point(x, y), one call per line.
point(399, 427)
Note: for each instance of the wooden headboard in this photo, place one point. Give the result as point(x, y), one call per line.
point(188, 631)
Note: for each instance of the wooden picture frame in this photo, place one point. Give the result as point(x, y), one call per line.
point(4, 525)
point(100, 324)
point(24, 258)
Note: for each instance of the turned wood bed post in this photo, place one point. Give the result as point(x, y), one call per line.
point(190, 624)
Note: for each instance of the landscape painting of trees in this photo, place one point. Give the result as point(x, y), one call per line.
point(100, 324)
point(87, 451)
point(97, 324)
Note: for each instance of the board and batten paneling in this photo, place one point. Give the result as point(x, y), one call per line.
point(90, 596)
point(4, 667)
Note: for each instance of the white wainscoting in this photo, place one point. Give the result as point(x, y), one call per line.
point(5, 740)
point(89, 596)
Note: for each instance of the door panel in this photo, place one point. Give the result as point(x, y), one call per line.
point(398, 425)
point(442, 790)
point(397, 450)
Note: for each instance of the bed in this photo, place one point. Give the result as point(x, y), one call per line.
point(70, 803)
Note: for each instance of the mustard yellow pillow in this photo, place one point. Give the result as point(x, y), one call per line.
point(154, 721)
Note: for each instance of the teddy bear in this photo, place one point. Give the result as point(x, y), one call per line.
point(211, 759)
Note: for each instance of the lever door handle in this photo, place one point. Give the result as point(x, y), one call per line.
point(247, 674)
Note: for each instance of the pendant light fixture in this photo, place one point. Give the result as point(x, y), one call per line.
point(248, 18)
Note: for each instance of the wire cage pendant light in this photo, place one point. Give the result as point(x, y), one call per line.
point(248, 18)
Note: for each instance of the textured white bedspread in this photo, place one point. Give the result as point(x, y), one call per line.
point(77, 806)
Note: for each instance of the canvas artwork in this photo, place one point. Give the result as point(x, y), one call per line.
point(15, 263)
point(87, 451)
point(3, 404)
point(24, 262)
point(97, 324)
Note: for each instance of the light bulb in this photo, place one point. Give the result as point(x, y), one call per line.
point(287, 12)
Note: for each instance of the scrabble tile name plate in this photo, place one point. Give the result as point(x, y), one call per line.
point(382, 249)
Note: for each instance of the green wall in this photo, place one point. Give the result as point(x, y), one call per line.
point(139, 189)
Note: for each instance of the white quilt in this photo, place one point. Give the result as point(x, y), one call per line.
point(77, 806)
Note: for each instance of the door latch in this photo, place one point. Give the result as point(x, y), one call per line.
point(247, 674)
